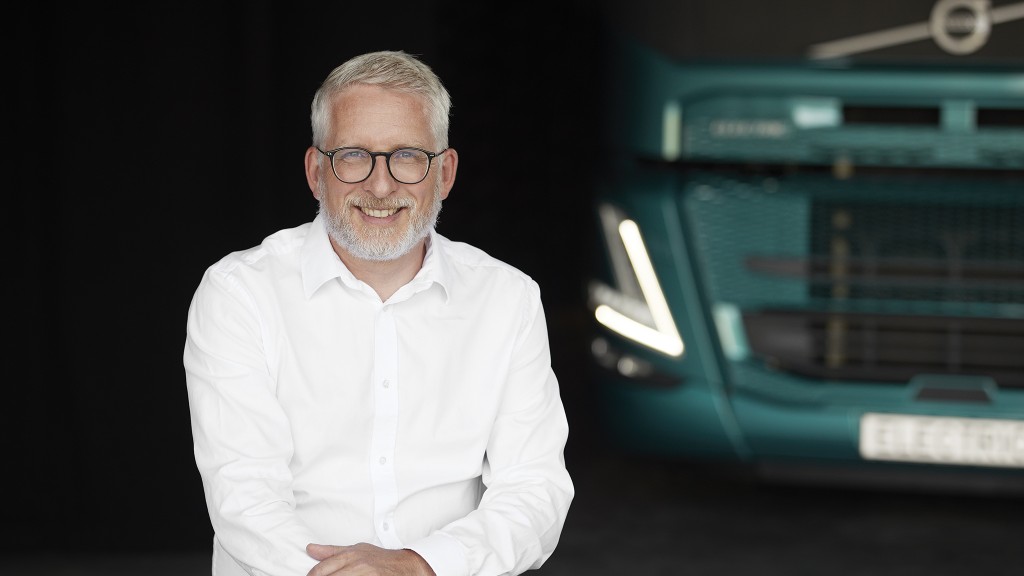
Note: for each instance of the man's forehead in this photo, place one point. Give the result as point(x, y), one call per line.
point(376, 115)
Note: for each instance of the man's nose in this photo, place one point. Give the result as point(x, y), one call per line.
point(380, 183)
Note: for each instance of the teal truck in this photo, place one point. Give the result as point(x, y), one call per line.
point(813, 267)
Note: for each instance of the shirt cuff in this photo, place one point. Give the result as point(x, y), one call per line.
point(445, 554)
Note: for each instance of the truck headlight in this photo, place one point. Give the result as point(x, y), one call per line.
point(635, 307)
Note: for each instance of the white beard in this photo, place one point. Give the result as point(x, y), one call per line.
point(379, 244)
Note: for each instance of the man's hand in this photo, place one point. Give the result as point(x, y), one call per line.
point(366, 560)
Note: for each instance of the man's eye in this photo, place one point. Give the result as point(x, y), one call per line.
point(354, 155)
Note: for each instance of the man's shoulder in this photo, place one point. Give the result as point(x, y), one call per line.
point(468, 255)
point(285, 244)
point(466, 258)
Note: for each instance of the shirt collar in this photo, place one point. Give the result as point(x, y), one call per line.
point(436, 267)
point(321, 264)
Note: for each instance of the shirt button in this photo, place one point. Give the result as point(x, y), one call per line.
point(386, 527)
point(383, 460)
point(386, 383)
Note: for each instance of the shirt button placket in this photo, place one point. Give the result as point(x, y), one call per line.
point(385, 426)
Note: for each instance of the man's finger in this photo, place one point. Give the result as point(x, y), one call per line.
point(322, 551)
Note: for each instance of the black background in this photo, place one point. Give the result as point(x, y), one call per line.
point(151, 139)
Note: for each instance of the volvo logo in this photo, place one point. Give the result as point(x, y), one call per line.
point(960, 26)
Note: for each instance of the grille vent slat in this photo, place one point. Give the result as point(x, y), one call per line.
point(887, 348)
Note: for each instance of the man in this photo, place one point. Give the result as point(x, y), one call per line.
point(368, 396)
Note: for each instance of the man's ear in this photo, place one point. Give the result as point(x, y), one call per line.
point(449, 166)
point(313, 170)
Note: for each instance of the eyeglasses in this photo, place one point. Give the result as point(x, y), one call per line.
point(406, 165)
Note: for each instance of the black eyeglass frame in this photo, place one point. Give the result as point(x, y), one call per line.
point(387, 161)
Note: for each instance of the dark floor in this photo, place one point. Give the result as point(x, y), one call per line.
point(641, 517)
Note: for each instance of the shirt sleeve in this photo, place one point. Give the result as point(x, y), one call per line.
point(241, 435)
point(527, 487)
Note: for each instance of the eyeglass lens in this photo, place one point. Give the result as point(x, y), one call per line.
point(407, 165)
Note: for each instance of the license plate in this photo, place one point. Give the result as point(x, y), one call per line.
point(942, 440)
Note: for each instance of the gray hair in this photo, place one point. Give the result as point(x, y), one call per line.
point(392, 70)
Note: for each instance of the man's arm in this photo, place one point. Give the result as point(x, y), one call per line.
point(241, 435)
point(528, 489)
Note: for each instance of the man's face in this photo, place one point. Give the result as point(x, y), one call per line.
point(380, 218)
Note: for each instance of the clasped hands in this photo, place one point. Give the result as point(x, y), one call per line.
point(366, 560)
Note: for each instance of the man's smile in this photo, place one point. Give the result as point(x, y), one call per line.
point(379, 213)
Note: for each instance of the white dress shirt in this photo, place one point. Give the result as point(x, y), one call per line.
point(431, 421)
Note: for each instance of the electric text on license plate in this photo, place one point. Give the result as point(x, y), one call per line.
point(942, 440)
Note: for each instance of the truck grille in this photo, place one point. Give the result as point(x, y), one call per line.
point(875, 277)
